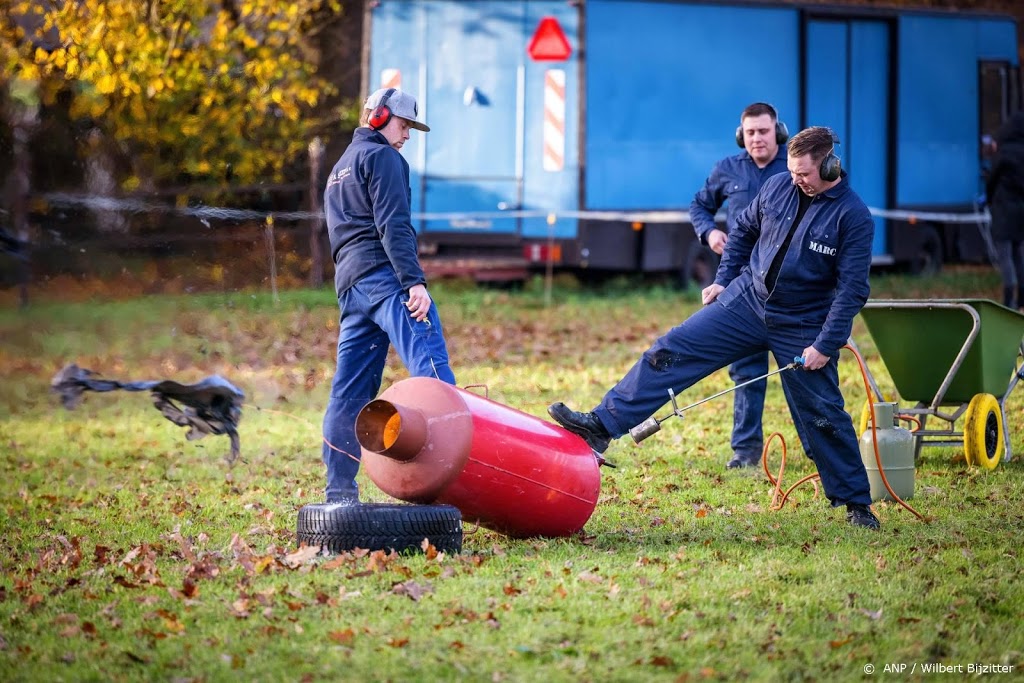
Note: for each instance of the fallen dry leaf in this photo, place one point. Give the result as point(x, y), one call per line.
point(344, 637)
point(412, 590)
point(303, 555)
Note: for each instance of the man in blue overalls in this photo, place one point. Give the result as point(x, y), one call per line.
point(381, 288)
point(737, 179)
point(793, 276)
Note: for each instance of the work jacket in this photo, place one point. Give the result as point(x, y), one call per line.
point(823, 280)
point(367, 201)
point(736, 179)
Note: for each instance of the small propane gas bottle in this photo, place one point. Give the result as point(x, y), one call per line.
point(895, 450)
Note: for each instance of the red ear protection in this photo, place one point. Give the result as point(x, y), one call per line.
point(380, 116)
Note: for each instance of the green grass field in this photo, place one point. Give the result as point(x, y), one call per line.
point(130, 554)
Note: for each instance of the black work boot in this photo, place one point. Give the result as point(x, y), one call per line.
point(743, 460)
point(585, 425)
point(861, 515)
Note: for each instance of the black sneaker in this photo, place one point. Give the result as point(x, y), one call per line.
point(585, 425)
point(740, 460)
point(861, 515)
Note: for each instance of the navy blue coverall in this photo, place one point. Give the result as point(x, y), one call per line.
point(821, 286)
point(373, 241)
point(737, 179)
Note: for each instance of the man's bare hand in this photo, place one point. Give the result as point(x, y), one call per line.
point(813, 360)
point(717, 240)
point(710, 293)
point(418, 303)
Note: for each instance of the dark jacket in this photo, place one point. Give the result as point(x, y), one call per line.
point(824, 276)
point(367, 202)
point(1005, 184)
point(737, 179)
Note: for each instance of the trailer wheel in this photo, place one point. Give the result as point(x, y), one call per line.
point(983, 431)
point(700, 266)
point(380, 526)
point(927, 260)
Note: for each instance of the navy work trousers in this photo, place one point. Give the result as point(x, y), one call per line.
point(722, 333)
point(373, 316)
point(748, 405)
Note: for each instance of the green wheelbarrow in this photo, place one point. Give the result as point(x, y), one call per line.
point(952, 358)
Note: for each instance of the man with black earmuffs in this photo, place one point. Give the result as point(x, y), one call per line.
point(381, 288)
point(733, 182)
point(794, 274)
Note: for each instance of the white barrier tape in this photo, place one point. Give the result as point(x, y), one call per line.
point(97, 203)
point(917, 216)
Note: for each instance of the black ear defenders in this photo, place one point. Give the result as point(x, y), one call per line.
point(831, 167)
point(781, 132)
point(381, 115)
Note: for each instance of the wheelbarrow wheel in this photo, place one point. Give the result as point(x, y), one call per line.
point(983, 432)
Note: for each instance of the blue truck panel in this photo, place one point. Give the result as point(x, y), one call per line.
point(868, 128)
point(997, 40)
point(665, 86)
point(543, 188)
point(473, 98)
point(849, 92)
point(485, 101)
point(938, 113)
point(403, 50)
point(826, 78)
point(647, 101)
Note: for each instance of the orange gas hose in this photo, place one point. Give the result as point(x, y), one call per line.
point(779, 498)
point(874, 435)
point(910, 418)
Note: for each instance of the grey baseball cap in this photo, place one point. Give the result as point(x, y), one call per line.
point(401, 104)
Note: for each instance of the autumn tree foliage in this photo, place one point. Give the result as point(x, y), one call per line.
point(198, 91)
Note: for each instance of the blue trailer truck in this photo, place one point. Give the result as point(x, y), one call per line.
point(574, 135)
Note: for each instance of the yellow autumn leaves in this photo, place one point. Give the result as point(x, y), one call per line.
point(182, 86)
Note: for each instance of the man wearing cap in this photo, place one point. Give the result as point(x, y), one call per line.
point(380, 285)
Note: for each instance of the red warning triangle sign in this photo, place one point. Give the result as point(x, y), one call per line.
point(548, 43)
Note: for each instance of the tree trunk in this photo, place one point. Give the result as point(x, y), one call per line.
point(316, 224)
point(100, 181)
point(23, 116)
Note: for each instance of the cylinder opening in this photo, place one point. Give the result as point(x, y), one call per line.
point(394, 431)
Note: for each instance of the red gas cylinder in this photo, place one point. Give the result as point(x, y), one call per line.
point(424, 441)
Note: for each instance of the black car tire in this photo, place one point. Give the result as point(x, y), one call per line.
point(380, 526)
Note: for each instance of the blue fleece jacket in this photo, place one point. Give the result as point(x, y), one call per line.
point(367, 203)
